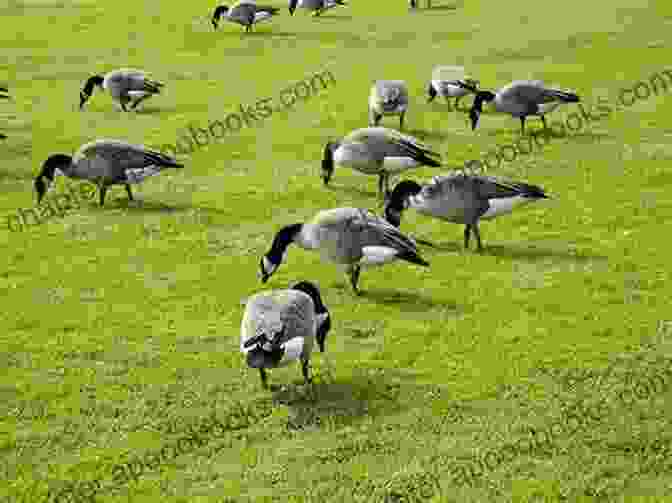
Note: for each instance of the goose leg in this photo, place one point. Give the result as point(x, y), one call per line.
point(381, 185)
point(543, 121)
point(264, 378)
point(467, 235)
point(478, 237)
point(522, 125)
point(123, 106)
point(401, 121)
point(304, 371)
point(103, 190)
point(128, 191)
point(354, 277)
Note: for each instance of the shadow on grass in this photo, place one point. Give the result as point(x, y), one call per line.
point(533, 253)
point(150, 110)
point(413, 301)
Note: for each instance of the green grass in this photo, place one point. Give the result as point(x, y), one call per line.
point(121, 320)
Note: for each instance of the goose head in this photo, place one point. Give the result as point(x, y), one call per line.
point(86, 93)
point(398, 200)
point(53, 165)
point(270, 262)
point(219, 11)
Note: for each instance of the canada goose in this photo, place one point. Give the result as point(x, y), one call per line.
point(446, 82)
point(348, 237)
point(317, 6)
point(414, 4)
point(519, 99)
point(245, 13)
point(124, 85)
point(462, 199)
point(377, 151)
point(105, 163)
point(280, 327)
point(388, 97)
point(4, 95)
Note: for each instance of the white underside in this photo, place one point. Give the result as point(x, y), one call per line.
point(262, 16)
point(377, 255)
point(503, 205)
point(399, 164)
point(138, 94)
point(135, 176)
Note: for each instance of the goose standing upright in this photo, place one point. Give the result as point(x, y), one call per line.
point(377, 151)
point(245, 13)
point(105, 163)
point(124, 85)
point(388, 97)
point(520, 98)
point(462, 199)
point(317, 6)
point(280, 327)
point(348, 237)
point(4, 94)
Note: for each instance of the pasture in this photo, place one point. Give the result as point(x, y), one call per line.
point(120, 325)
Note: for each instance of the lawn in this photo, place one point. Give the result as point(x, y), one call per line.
point(120, 331)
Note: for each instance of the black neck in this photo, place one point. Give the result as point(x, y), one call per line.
point(96, 80)
point(282, 240)
point(482, 97)
point(311, 290)
point(219, 11)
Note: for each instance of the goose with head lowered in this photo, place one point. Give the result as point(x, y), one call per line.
point(316, 6)
point(377, 151)
point(4, 94)
point(124, 85)
point(245, 13)
point(461, 199)
point(348, 237)
point(521, 98)
point(280, 327)
point(388, 97)
point(105, 163)
point(446, 82)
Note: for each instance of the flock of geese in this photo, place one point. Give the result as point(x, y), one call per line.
point(281, 326)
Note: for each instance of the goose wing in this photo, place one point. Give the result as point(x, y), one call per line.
point(490, 187)
point(375, 231)
point(383, 142)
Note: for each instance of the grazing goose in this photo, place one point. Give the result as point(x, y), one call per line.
point(377, 151)
point(348, 237)
point(124, 85)
point(245, 13)
point(462, 199)
point(280, 327)
point(388, 97)
point(317, 6)
point(445, 83)
point(105, 163)
point(519, 99)
point(4, 95)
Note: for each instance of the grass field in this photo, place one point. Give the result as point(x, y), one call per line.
point(120, 328)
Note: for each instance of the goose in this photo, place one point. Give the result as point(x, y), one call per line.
point(317, 6)
point(124, 85)
point(414, 4)
point(377, 151)
point(349, 237)
point(388, 97)
point(449, 87)
point(245, 13)
point(462, 199)
point(520, 98)
point(281, 326)
point(4, 94)
point(104, 162)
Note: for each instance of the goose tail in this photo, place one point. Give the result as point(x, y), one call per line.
point(413, 258)
point(564, 96)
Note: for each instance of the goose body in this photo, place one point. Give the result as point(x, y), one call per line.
point(105, 163)
point(280, 327)
point(521, 98)
point(316, 6)
point(348, 237)
point(449, 87)
point(245, 13)
point(377, 151)
point(124, 86)
point(461, 199)
point(388, 97)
